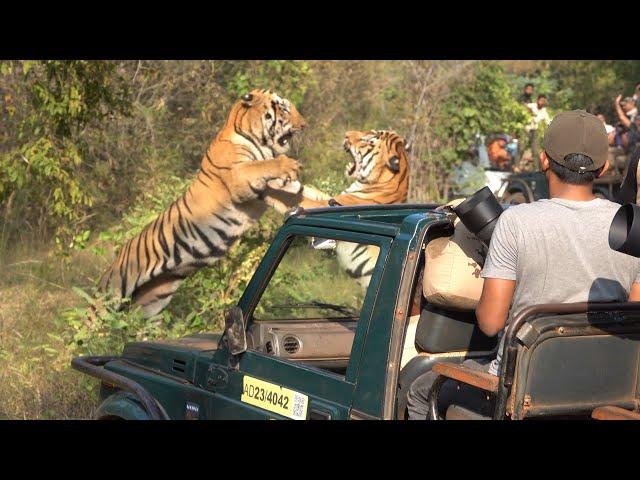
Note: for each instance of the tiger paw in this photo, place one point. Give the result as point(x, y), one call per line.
point(288, 169)
point(285, 186)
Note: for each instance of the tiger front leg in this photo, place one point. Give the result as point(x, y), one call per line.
point(253, 179)
point(308, 197)
point(287, 181)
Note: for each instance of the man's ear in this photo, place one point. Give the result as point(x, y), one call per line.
point(544, 161)
point(604, 169)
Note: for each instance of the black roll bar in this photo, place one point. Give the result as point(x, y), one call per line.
point(93, 366)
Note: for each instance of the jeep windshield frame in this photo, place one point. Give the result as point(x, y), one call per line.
point(276, 252)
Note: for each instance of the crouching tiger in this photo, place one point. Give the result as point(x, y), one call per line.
point(243, 166)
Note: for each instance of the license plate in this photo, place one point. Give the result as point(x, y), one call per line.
point(274, 398)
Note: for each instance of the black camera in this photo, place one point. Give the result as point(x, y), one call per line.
point(624, 232)
point(479, 213)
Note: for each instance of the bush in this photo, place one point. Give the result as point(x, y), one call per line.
point(49, 105)
point(484, 105)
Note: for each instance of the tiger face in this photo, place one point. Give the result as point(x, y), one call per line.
point(269, 120)
point(376, 155)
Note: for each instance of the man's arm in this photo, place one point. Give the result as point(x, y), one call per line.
point(634, 295)
point(499, 273)
point(626, 121)
point(493, 309)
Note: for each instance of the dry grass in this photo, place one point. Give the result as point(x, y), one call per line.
point(36, 381)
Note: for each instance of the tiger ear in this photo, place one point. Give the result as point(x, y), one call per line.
point(246, 99)
point(407, 147)
point(394, 164)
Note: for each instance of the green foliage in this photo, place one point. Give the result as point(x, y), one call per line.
point(98, 327)
point(41, 175)
point(67, 95)
point(42, 171)
point(485, 105)
point(289, 78)
point(592, 85)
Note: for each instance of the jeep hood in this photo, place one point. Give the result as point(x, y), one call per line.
point(175, 357)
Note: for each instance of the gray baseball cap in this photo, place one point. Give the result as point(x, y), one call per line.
point(576, 131)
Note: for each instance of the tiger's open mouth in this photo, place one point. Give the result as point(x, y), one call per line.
point(352, 164)
point(283, 141)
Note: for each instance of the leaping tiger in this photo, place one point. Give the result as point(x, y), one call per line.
point(244, 165)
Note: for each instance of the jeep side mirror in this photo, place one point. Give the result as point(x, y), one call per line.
point(234, 329)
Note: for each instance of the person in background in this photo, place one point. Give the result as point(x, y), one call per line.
point(526, 98)
point(633, 135)
point(628, 107)
point(628, 136)
point(610, 129)
point(628, 192)
point(540, 114)
point(498, 155)
point(527, 94)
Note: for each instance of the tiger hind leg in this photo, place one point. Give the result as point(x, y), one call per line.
point(155, 295)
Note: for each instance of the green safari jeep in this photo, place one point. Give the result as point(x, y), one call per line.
point(333, 326)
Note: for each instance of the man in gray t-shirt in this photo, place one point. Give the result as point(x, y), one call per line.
point(555, 251)
point(551, 251)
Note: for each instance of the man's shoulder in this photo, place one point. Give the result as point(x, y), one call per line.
point(535, 215)
point(524, 209)
point(517, 216)
point(529, 214)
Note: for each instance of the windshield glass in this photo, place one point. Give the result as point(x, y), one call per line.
point(318, 278)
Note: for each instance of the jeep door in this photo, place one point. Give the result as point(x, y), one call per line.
point(307, 313)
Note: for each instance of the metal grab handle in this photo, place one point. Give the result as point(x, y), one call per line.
point(93, 366)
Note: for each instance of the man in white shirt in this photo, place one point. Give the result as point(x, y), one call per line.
point(540, 114)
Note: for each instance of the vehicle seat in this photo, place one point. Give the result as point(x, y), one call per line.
point(437, 335)
point(569, 365)
point(599, 355)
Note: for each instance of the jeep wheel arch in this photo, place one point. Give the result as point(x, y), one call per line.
point(121, 406)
